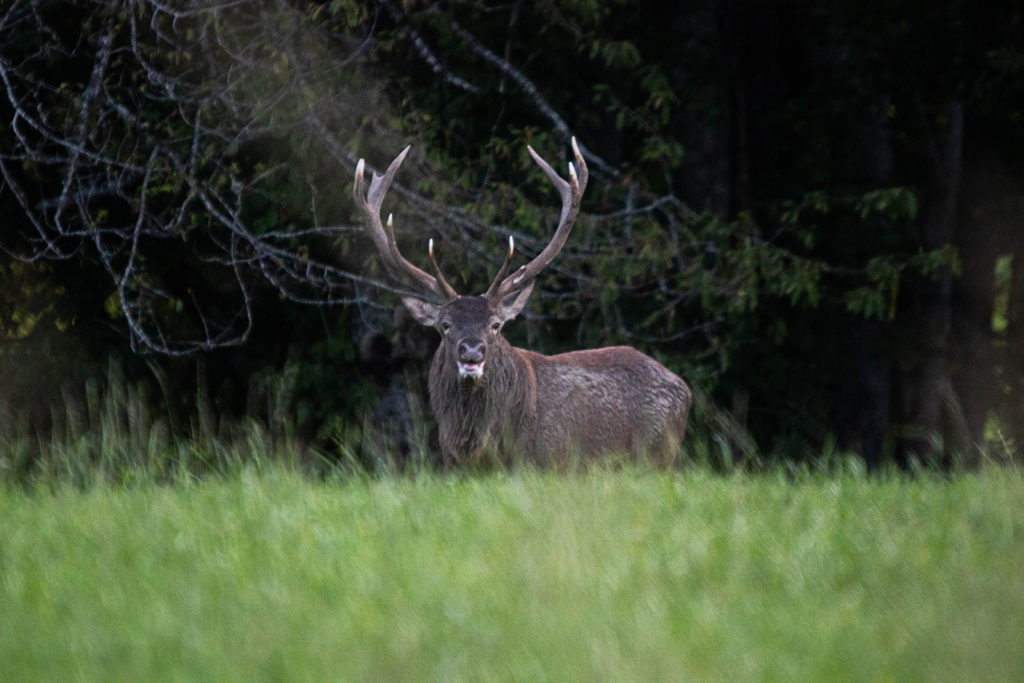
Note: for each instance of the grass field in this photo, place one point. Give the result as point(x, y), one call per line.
point(628, 575)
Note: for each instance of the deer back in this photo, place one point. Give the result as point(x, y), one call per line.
point(610, 400)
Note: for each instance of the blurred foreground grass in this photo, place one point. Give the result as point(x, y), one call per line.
point(632, 574)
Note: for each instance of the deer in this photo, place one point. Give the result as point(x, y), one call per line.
point(498, 403)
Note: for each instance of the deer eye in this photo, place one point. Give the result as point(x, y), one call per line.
point(495, 326)
point(445, 326)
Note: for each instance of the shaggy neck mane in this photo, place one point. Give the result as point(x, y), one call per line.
point(472, 413)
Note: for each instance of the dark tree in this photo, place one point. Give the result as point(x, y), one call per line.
point(808, 211)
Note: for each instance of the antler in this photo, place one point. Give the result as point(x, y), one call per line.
point(369, 203)
point(571, 193)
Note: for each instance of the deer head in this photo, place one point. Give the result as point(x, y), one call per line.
point(470, 326)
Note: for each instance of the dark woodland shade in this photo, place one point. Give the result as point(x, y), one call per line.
point(798, 206)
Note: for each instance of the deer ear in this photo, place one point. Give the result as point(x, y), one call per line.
point(512, 304)
point(425, 312)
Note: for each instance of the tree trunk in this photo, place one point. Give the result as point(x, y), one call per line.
point(924, 399)
point(1012, 360)
point(985, 215)
point(862, 412)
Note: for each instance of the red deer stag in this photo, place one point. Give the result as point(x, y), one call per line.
point(494, 400)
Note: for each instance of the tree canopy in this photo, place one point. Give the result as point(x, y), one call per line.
point(809, 211)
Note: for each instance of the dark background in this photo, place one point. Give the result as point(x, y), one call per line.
point(811, 212)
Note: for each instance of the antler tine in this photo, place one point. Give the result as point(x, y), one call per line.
point(369, 203)
point(571, 192)
point(499, 278)
point(448, 289)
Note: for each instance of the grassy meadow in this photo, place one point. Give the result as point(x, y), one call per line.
point(265, 573)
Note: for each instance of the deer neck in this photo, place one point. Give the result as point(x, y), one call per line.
point(470, 412)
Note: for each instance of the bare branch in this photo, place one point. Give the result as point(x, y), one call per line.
point(427, 54)
point(531, 90)
point(168, 146)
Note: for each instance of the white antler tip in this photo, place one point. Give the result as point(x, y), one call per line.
point(430, 246)
point(391, 220)
point(575, 147)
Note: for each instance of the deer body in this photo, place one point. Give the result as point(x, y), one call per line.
point(496, 401)
point(611, 400)
point(551, 409)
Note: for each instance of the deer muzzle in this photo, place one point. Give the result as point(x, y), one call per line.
point(471, 358)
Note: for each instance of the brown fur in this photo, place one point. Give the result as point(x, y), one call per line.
point(550, 409)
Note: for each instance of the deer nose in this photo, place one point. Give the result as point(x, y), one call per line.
point(471, 350)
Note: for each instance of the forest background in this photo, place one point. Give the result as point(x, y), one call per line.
point(811, 211)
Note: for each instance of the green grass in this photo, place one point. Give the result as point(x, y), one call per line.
point(628, 575)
